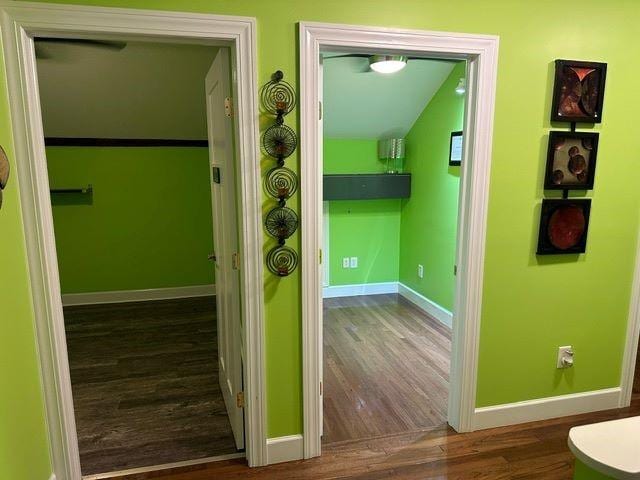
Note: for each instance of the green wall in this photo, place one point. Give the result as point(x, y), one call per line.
point(367, 229)
point(356, 155)
point(429, 218)
point(530, 304)
point(147, 225)
point(391, 237)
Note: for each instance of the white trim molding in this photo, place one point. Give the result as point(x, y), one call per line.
point(21, 21)
point(545, 408)
point(359, 289)
point(430, 307)
point(52, 477)
point(164, 466)
point(633, 337)
point(481, 55)
point(146, 295)
point(284, 449)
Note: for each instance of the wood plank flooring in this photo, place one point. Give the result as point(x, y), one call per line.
point(533, 451)
point(145, 383)
point(386, 368)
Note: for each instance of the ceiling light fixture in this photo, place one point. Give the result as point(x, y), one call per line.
point(387, 63)
point(461, 88)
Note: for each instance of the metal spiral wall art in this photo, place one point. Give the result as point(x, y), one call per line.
point(281, 183)
point(279, 141)
point(281, 223)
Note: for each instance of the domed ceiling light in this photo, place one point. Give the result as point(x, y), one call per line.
point(387, 63)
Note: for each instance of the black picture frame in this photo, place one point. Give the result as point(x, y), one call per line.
point(570, 207)
point(571, 171)
point(578, 96)
point(454, 138)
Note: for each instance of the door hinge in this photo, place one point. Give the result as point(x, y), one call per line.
point(235, 261)
point(319, 110)
point(228, 106)
point(321, 389)
point(240, 399)
point(320, 256)
point(455, 269)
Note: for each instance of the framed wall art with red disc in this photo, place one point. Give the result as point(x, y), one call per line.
point(563, 226)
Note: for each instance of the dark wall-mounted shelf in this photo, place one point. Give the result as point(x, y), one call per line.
point(367, 186)
point(88, 190)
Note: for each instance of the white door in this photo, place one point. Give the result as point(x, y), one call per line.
point(225, 238)
point(324, 270)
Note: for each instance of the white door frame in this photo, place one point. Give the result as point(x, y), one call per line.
point(633, 337)
point(481, 53)
point(20, 22)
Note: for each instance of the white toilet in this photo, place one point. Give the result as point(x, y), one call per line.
point(610, 448)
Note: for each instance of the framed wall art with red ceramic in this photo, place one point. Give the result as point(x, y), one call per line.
point(571, 160)
point(564, 224)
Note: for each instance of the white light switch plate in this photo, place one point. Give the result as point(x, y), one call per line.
point(353, 263)
point(420, 271)
point(345, 262)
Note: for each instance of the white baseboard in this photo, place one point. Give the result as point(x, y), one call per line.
point(359, 289)
point(122, 296)
point(284, 449)
point(545, 408)
point(164, 466)
point(423, 303)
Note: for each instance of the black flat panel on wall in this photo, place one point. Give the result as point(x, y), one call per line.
point(367, 186)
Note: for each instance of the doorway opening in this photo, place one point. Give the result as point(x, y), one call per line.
point(21, 25)
point(480, 54)
point(137, 143)
point(391, 174)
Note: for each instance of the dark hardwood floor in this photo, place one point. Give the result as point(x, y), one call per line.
point(145, 383)
point(386, 368)
point(532, 451)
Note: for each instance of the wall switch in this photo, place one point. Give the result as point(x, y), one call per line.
point(345, 262)
point(353, 262)
point(565, 357)
point(420, 271)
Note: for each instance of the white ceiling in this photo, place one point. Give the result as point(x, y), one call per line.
point(146, 90)
point(359, 103)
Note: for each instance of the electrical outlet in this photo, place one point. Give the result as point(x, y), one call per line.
point(353, 262)
point(565, 357)
point(345, 262)
point(420, 271)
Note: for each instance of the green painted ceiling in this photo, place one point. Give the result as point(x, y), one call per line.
point(359, 103)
